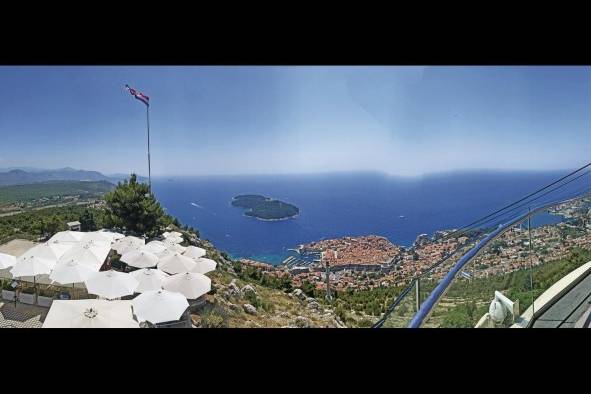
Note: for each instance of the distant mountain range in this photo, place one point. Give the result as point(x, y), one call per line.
point(20, 176)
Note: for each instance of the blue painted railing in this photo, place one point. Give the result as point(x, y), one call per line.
point(433, 298)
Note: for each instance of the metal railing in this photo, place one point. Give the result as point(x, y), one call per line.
point(435, 296)
point(414, 285)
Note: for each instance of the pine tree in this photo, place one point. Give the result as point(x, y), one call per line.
point(133, 207)
point(87, 221)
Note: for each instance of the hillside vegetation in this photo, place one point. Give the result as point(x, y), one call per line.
point(245, 297)
point(35, 224)
point(129, 208)
point(50, 190)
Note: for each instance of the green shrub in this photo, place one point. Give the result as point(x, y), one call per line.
point(6, 284)
point(461, 316)
point(252, 299)
point(341, 312)
point(215, 317)
point(28, 290)
point(402, 309)
point(268, 306)
point(365, 323)
point(308, 288)
point(47, 293)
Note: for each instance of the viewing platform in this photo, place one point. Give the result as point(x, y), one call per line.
point(566, 304)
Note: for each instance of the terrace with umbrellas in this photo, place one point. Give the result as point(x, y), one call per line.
point(104, 279)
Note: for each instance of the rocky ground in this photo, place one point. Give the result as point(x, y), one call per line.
point(230, 304)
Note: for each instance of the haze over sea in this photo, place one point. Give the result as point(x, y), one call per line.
point(343, 204)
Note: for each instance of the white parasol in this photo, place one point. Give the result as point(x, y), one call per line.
point(90, 314)
point(176, 263)
point(149, 279)
point(111, 284)
point(203, 265)
point(128, 243)
point(70, 272)
point(67, 236)
point(194, 252)
point(157, 306)
point(87, 255)
point(140, 259)
point(154, 247)
point(191, 285)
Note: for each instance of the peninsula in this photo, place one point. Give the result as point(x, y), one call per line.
point(265, 208)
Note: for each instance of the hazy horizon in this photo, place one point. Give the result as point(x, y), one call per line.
point(320, 173)
point(228, 120)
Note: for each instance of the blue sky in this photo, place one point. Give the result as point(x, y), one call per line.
point(254, 120)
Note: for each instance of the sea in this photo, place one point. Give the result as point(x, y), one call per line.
point(345, 204)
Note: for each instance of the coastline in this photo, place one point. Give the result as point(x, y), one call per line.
point(249, 239)
point(271, 220)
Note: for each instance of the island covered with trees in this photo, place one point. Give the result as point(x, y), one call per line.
point(265, 208)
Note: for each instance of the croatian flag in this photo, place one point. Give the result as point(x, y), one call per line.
point(138, 95)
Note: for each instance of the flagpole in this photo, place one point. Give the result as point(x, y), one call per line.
point(149, 170)
point(144, 99)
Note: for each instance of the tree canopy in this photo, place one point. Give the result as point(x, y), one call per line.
point(87, 221)
point(132, 206)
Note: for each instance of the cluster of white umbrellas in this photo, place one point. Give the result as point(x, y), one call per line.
point(164, 290)
point(68, 257)
point(167, 255)
point(163, 298)
point(154, 306)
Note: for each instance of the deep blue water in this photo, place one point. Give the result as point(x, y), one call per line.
point(336, 205)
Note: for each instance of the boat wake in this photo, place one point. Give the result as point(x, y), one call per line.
point(200, 207)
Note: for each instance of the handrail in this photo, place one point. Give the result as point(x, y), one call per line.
point(414, 280)
point(433, 299)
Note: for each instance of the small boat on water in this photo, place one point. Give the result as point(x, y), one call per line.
point(401, 216)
